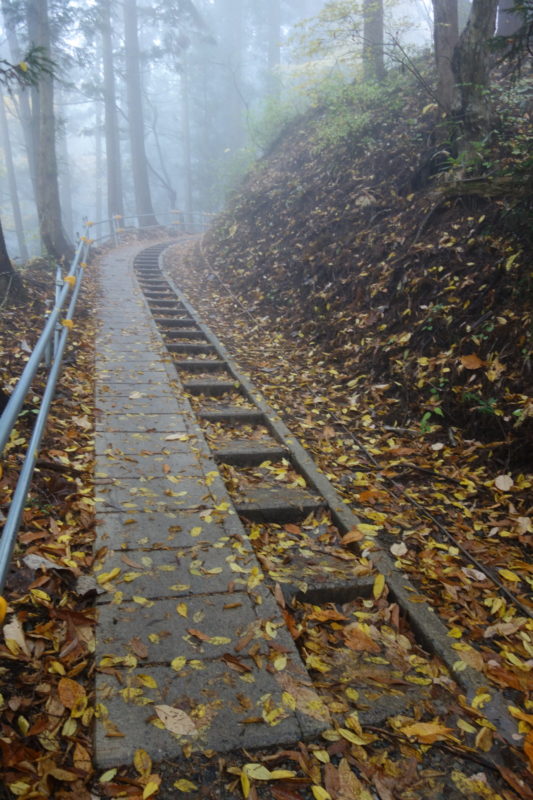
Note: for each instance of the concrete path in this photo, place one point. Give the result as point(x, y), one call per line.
point(192, 650)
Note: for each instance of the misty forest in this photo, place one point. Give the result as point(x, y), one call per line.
point(266, 408)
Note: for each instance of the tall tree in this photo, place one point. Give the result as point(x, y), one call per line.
point(29, 131)
point(509, 19)
point(274, 45)
point(445, 37)
point(12, 181)
point(115, 198)
point(53, 236)
point(471, 70)
point(143, 197)
point(373, 40)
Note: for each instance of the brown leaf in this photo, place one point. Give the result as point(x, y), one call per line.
point(356, 639)
point(70, 692)
point(138, 647)
point(198, 634)
point(471, 361)
point(176, 721)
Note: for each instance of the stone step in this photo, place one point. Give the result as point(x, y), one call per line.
point(197, 365)
point(212, 388)
point(190, 347)
point(171, 303)
point(169, 322)
point(232, 414)
point(184, 334)
point(278, 505)
point(249, 452)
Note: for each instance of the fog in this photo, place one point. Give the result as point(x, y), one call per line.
point(216, 79)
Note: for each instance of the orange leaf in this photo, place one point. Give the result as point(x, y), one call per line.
point(471, 361)
point(528, 748)
point(198, 634)
point(70, 692)
point(427, 732)
point(356, 639)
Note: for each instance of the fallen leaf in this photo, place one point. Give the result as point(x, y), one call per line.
point(427, 732)
point(176, 721)
point(471, 361)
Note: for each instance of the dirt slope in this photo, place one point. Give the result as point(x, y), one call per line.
point(419, 285)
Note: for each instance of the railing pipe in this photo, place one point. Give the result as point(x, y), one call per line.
point(11, 411)
point(9, 533)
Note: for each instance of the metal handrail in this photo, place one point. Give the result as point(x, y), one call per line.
point(50, 348)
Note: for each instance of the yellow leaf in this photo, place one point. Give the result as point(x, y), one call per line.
point(427, 732)
point(257, 772)
point(105, 577)
point(379, 585)
point(280, 662)
point(196, 531)
point(320, 793)
point(150, 789)
point(142, 762)
point(218, 640)
point(67, 323)
point(465, 726)
point(455, 633)
point(70, 280)
point(282, 774)
point(108, 776)
point(480, 700)
point(148, 681)
point(23, 65)
point(142, 601)
point(178, 663)
point(182, 609)
point(183, 785)
point(245, 784)
point(288, 700)
point(508, 575)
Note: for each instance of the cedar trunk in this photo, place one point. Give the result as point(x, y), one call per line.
point(373, 56)
point(445, 37)
point(143, 198)
point(48, 206)
point(471, 69)
point(115, 197)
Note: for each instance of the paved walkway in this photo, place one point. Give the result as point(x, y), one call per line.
point(192, 650)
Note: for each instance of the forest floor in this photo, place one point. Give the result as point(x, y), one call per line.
point(388, 321)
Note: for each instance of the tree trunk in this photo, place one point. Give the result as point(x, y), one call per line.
point(186, 137)
point(48, 206)
point(24, 112)
point(274, 46)
point(445, 37)
point(115, 195)
point(98, 162)
point(9, 277)
point(6, 267)
point(233, 35)
point(471, 67)
point(373, 56)
point(509, 21)
point(12, 182)
point(143, 198)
